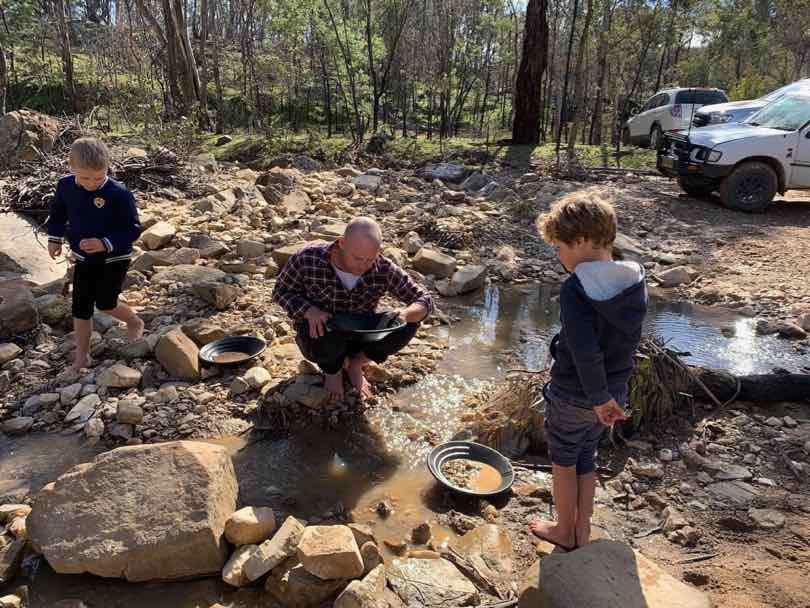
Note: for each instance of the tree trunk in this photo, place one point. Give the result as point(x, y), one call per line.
point(3, 80)
point(67, 56)
point(758, 388)
point(528, 107)
point(579, 85)
point(564, 100)
point(205, 122)
point(595, 137)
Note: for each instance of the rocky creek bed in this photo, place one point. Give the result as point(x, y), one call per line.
point(717, 498)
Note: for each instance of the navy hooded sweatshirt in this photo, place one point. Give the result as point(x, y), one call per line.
point(602, 308)
point(108, 214)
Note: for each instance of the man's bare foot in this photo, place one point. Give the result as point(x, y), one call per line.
point(551, 532)
point(358, 380)
point(334, 384)
point(135, 330)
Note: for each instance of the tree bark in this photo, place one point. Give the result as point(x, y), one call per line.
point(579, 85)
point(67, 55)
point(758, 388)
point(3, 80)
point(528, 107)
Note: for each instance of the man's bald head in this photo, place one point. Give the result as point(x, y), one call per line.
point(360, 245)
point(363, 227)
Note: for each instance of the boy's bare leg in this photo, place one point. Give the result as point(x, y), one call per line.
point(334, 384)
point(586, 488)
point(561, 532)
point(124, 313)
point(356, 377)
point(82, 328)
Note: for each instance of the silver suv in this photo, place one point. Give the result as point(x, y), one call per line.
point(668, 110)
point(737, 111)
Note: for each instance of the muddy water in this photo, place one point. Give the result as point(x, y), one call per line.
point(18, 241)
point(381, 458)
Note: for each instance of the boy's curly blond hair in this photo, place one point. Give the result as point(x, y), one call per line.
point(90, 153)
point(585, 215)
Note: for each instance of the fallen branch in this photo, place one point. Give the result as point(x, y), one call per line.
point(697, 558)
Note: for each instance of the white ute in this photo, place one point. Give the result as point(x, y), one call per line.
point(747, 162)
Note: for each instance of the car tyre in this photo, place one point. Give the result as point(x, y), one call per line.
point(655, 137)
point(750, 187)
point(696, 188)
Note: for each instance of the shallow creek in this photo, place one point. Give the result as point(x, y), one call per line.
point(320, 474)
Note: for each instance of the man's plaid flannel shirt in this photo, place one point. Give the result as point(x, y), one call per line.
point(309, 279)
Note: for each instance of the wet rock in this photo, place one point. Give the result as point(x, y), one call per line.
point(790, 330)
point(397, 546)
point(610, 574)
point(431, 583)
point(767, 519)
point(250, 526)
point(234, 571)
point(158, 235)
point(466, 280)
point(219, 295)
point(330, 552)
point(680, 275)
point(257, 377)
point(490, 551)
point(94, 428)
point(313, 397)
point(178, 355)
point(119, 376)
point(18, 311)
point(377, 374)
point(129, 413)
point(737, 493)
point(136, 494)
point(239, 386)
point(17, 426)
point(420, 535)
point(294, 587)
point(447, 172)
point(432, 262)
point(84, 409)
point(8, 352)
point(366, 593)
point(370, 553)
point(272, 552)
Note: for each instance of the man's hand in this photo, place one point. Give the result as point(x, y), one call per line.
point(415, 313)
point(92, 246)
point(317, 321)
point(54, 250)
point(609, 413)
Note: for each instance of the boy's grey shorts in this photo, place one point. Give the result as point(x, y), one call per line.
point(572, 434)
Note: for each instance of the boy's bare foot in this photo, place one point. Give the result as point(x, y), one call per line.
point(79, 364)
point(550, 532)
point(135, 330)
point(334, 384)
point(583, 534)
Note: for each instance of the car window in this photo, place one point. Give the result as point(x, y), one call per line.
point(662, 101)
point(788, 88)
point(700, 97)
point(789, 113)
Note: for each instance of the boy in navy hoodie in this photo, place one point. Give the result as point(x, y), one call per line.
point(99, 218)
point(602, 307)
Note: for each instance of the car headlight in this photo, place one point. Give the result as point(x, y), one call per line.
point(705, 155)
point(718, 117)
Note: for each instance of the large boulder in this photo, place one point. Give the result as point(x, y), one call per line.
point(447, 172)
point(489, 549)
point(431, 583)
point(330, 552)
point(529, 587)
point(149, 512)
point(430, 261)
point(18, 310)
point(178, 355)
point(610, 574)
point(24, 135)
point(158, 235)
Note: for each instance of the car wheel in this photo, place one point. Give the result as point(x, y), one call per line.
point(626, 137)
point(696, 188)
point(751, 187)
point(655, 137)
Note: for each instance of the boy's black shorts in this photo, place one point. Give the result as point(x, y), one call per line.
point(97, 284)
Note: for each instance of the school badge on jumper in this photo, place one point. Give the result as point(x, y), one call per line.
point(99, 202)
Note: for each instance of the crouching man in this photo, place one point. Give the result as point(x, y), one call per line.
point(347, 276)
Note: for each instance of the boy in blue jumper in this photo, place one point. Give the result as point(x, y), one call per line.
point(99, 218)
point(602, 307)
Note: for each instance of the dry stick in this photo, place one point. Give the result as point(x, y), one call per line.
point(698, 558)
point(689, 370)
